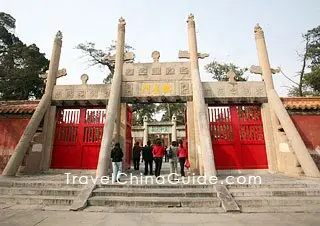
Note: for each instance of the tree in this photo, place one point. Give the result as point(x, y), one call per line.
point(143, 109)
point(219, 71)
point(99, 56)
point(170, 109)
point(20, 64)
point(309, 82)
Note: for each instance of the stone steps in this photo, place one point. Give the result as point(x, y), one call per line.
point(40, 191)
point(252, 201)
point(153, 210)
point(36, 200)
point(277, 197)
point(147, 202)
point(154, 192)
point(282, 209)
point(156, 186)
point(274, 185)
point(275, 192)
point(38, 184)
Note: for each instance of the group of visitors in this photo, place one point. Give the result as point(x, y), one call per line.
point(175, 153)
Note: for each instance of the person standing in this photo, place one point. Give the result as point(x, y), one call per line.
point(182, 155)
point(158, 153)
point(147, 158)
point(173, 159)
point(116, 156)
point(136, 154)
point(166, 154)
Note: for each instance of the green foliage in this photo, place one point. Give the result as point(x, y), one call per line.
point(170, 109)
point(309, 82)
point(98, 56)
point(312, 78)
point(20, 64)
point(143, 109)
point(219, 71)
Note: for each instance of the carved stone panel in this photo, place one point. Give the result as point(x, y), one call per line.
point(246, 91)
point(81, 94)
point(184, 88)
point(221, 91)
point(170, 71)
point(234, 91)
point(143, 71)
point(156, 71)
point(184, 70)
point(69, 94)
point(58, 94)
point(127, 90)
point(93, 93)
point(129, 72)
point(259, 91)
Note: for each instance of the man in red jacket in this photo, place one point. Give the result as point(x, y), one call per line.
point(158, 153)
point(182, 155)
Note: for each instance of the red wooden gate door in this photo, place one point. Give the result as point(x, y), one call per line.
point(77, 138)
point(237, 137)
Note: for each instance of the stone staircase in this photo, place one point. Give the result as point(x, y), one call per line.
point(155, 198)
point(37, 194)
point(277, 197)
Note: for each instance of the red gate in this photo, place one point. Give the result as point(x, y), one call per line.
point(128, 138)
point(77, 138)
point(237, 137)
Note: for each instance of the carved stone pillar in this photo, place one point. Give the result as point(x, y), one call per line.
point(174, 128)
point(104, 161)
point(48, 132)
point(200, 111)
point(145, 131)
point(192, 150)
point(24, 142)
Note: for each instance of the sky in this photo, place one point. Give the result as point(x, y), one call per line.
point(224, 30)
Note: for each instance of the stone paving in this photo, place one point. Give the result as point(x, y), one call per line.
point(48, 218)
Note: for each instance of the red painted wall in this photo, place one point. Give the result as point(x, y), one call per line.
point(11, 130)
point(308, 127)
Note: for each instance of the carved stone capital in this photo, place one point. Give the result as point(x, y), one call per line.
point(121, 25)
point(62, 72)
point(184, 54)
point(258, 32)
point(190, 20)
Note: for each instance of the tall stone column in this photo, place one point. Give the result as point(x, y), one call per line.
point(272, 134)
point(48, 138)
point(269, 139)
point(117, 124)
point(192, 150)
point(307, 164)
point(277, 111)
point(24, 142)
point(104, 161)
point(123, 132)
point(174, 128)
point(145, 131)
point(202, 125)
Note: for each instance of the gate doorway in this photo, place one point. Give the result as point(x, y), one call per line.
point(78, 137)
point(237, 137)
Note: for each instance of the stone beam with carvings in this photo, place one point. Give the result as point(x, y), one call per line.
point(257, 70)
point(128, 57)
point(62, 72)
point(183, 54)
point(163, 91)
